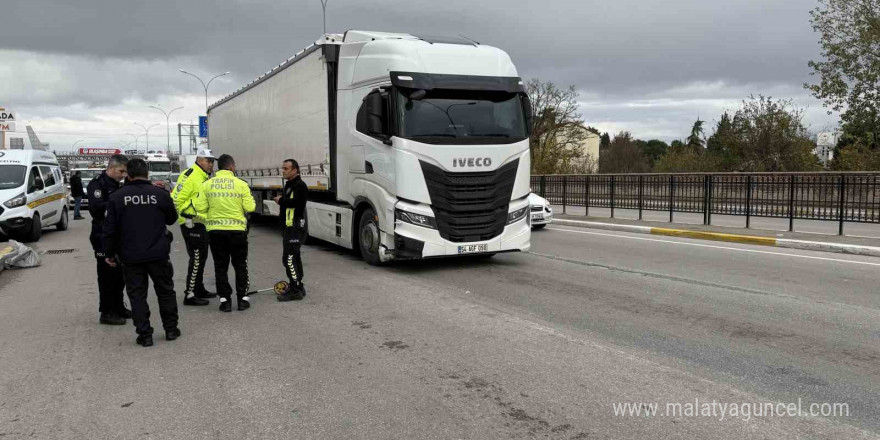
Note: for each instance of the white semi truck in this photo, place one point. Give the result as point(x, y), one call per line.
point(411, 147)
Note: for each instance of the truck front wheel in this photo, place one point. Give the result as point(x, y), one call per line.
point(368, 237)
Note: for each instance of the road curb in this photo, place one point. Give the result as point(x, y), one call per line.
point(841, 248)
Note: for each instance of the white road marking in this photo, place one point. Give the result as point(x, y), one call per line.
point(809, 257)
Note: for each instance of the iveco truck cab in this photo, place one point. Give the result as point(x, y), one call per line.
point(413, 147)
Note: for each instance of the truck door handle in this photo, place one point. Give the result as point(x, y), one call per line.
point(368, 167)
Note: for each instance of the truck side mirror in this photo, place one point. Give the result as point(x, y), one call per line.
point(377, 115)
point(527, 109)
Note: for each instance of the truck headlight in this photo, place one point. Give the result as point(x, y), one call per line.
point(16, 201)
point(425, 221)
point(517, 215)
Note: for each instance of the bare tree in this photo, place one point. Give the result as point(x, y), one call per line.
point(558, 130)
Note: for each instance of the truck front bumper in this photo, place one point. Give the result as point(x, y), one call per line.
point(413, 241)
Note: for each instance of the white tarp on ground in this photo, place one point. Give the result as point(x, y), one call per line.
point(16, 255)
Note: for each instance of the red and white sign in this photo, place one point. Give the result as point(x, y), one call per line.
point(99, 151)
point(7, 120)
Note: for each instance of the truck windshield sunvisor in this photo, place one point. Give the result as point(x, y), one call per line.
point(12, 176)
point(431, 81)
point(461, 117)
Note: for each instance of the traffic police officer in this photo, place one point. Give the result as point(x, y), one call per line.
point(110, 279)
point(192, 227)
point(134, 234)
point(293, 213)
point(224, 201)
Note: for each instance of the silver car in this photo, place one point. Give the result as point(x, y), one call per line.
point(541, 212)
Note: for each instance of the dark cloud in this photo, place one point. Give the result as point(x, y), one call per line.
point(614, 50)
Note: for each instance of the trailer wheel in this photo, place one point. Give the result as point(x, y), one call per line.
point(368, 237)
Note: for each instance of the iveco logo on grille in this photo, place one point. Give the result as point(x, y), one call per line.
point(461, 162)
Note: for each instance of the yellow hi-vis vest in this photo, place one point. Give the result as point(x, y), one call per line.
point(188, 186)
point(223, 201)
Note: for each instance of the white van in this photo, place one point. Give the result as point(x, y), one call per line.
point(32, 193)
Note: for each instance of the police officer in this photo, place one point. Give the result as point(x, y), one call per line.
point(192, 227)
point(135, 235)
point(224, 201)
point(293, 213)
point(110, 279)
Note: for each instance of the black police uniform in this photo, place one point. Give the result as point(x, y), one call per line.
point(111, 281)
point(296, 229)
point(135, 232)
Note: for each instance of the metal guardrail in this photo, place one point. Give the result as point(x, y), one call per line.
point(840, 197)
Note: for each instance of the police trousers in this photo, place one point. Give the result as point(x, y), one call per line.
point(111, 285)
point(229, 246)
point(196, 239)
point(291, 257)
point(137, 284)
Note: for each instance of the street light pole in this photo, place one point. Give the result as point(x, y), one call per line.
point(208, 139)
point(324, 7)
point(147, 130)
point(167, 124)
point(135, 140)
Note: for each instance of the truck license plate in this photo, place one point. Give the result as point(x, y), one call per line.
point(471, 248)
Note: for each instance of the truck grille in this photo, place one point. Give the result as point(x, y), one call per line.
point(470, 206)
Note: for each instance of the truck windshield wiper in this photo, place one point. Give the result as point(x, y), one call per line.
point(435, 135)
point(491, 134)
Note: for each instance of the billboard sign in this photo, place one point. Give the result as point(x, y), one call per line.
point(99, 151)
point(7, 120)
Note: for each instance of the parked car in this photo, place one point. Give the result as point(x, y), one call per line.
point(32, 194)
point(541, 212)
point(86, 174)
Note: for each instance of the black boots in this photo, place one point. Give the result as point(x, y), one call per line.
point(204, 294)
point(295, 292)
point(172, 334)
point(195, 301)
point(243, 303)
point(225, 306)
point(111, 319)
point(145, 340)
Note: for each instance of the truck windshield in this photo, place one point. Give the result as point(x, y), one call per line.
point(162, 167)
point(12, 176)
point(461, 117)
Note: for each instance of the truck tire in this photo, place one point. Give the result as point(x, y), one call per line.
point(536, 227)
point(36, 230)
point(63, 223)
point(368, 237)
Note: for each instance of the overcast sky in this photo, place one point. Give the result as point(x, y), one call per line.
point(87, 70)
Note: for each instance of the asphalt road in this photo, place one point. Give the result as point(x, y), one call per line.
point(535, 345)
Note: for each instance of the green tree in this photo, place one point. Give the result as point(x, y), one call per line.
point(695, 140)
point(558, 130)
point(722, 141)
point(623, 156)
point(604, 141)
point(653, 149)
point(770, 136)
point(849, 72)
